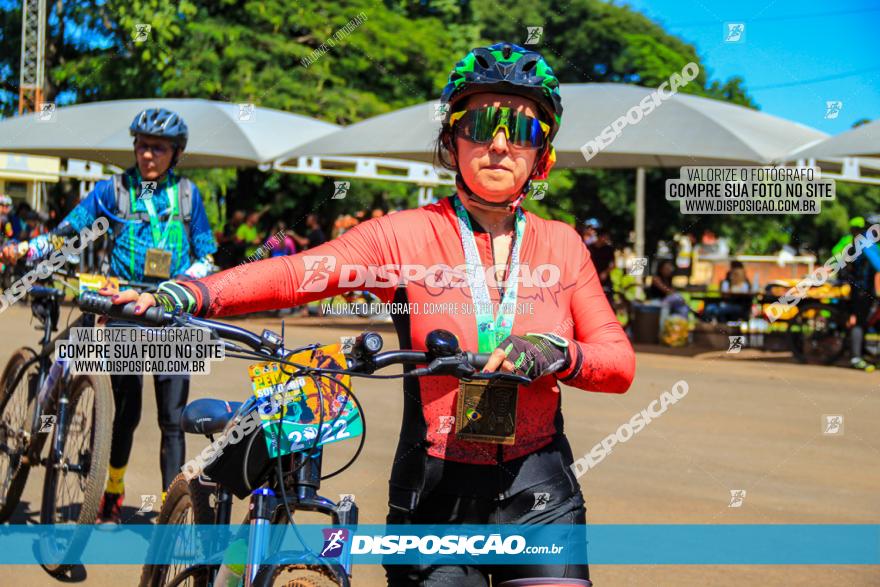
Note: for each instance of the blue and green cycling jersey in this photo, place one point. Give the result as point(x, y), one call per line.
point(134, 237)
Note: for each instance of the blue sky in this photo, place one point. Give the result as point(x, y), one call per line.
point(787, 43)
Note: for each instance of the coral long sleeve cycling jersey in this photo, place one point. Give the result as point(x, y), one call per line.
point(415, 259)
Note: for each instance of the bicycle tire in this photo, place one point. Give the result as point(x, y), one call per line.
point(826, 348)
point(182, 495)
point(299, 576)
point(13, 382)
point(96, 460)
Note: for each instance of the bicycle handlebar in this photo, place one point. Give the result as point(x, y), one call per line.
point(456, 363)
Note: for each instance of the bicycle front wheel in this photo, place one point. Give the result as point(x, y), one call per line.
point(295, 576)
point(75, 479)
point(187, 502)
point(16, 415)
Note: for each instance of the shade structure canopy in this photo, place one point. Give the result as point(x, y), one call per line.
point(220, 134)
point(681, 130)
point(862, 141)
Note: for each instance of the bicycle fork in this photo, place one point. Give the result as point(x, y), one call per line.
point(262, 508)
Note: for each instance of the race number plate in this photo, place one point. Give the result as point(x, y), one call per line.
point(296, 425)
point(157, 263)
point(486, 412)
point(95, 281)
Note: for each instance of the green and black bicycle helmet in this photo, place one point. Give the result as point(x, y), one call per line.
point(506, 68)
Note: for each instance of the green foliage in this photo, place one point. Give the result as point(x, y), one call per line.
point(269, 52)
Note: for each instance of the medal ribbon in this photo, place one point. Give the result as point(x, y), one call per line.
point(491, 329)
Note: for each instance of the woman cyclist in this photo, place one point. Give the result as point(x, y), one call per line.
point(502, 109)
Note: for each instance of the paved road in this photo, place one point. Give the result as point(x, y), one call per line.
point(745, 424)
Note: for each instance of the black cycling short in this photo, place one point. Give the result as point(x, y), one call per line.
point(427, 490)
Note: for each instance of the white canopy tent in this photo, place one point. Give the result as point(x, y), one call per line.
point(220, 134)
point(850, 156)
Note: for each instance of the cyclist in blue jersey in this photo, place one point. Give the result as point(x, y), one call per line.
point(160, 231)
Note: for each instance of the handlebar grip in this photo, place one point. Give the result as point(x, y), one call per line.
point(95, 303)
point(478, 360)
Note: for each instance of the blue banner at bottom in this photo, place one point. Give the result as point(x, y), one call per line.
point(611, 544)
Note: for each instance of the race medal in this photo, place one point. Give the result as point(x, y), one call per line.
point(486, 412)
point(157, 263)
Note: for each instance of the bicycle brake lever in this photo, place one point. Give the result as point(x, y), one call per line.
point(498, 376)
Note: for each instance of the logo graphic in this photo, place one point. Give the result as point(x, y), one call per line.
point(141, 32)
point(736, 344)
point(737, 496)
point(148, 188)
point(533, 35)
point(317, 274)
point(147, 503)
point(46, 112)
point(832, 109)
point(47, 422)
point(341, 188)
point(346, 500)
point(637, 265)
point(347, 344)
point(541, 501)
point(735, 32)
point(832, 424)
point(334, 542)
point(440, 111)
point(539, 189)
point(446, 424)
point(247, 113)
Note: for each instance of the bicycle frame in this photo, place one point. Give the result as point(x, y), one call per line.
point(266, 506)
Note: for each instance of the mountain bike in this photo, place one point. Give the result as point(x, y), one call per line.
point(42, 404)
point(246, 468)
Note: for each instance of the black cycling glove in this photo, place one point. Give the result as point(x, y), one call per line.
point(535, 355)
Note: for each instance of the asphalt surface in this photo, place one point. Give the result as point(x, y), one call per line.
point(749, 422)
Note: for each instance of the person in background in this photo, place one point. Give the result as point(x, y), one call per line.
point(377, 213)
point(17, 219)
point(736, 282)
point(161, 231)
point(249, 234)
point(6, 230)
point(661, 289)
point(591, 225)
point(863, 277)
point(281, 243)
point(602, 253)
point(314, 237)
point(230, 251)
point(35, 224)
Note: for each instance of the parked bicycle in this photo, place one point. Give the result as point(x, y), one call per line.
point(42, 403)
point(276, 490)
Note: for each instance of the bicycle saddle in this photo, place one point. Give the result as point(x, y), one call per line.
point(207, 416)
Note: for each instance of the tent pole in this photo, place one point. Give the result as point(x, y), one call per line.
point(640, 212)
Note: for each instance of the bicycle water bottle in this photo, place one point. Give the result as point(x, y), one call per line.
point(231, 573)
